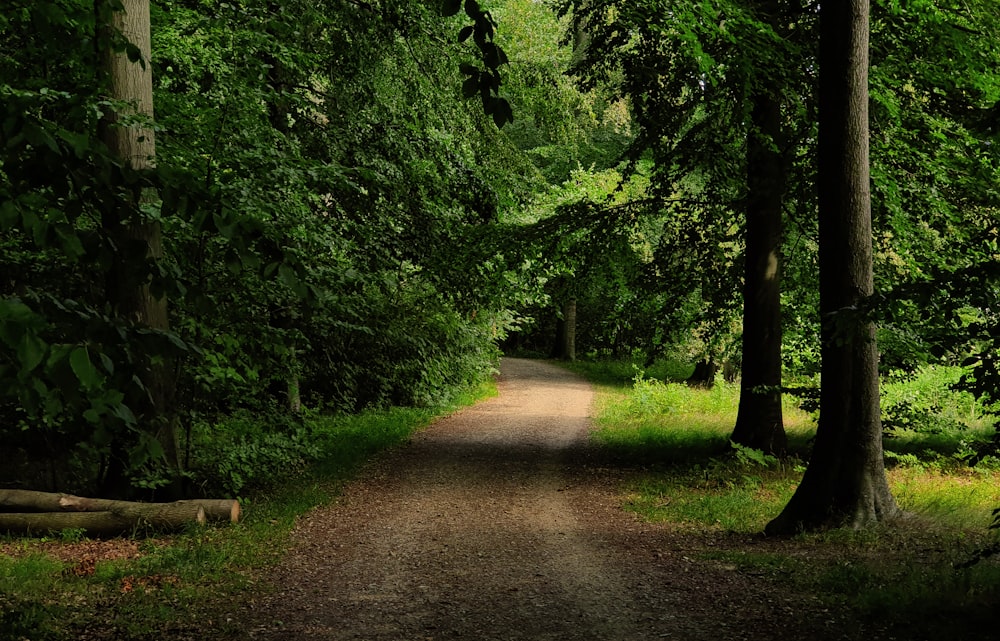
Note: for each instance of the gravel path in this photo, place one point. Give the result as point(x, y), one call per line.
point(498, 523)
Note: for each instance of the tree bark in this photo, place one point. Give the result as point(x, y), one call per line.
point(759, 423)
point(569, 333)
point(29, 500)
point(845, 483)
point(167, 516)
point(131, 83)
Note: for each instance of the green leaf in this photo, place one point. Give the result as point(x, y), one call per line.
point(8, 215)
point(30, 351)
point(176, 341)
point(69, 241)
point(290, 279)
point(124, 412)
point(471, 86)
point(134, 54)
point(502, 112)
point(86, 373)
point(109, 365)
point(493, 56)
point(233, 263)
point(80, 143)
point(227, 227)
point(39, 137)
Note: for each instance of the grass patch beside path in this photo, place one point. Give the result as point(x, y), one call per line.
point(181, 586)
point(905, 577)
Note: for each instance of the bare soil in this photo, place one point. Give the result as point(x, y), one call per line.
point(501, 522)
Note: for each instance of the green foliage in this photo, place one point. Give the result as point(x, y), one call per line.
point(325, 205)
point(26, 609)
point(664, 423)
point(699, 500)
point(684, 431)
point(620, 373)
point(749, 457)
point(563, 129)
point(246, 453)
point(926, 402)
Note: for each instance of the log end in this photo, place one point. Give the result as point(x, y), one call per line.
point(234, 513)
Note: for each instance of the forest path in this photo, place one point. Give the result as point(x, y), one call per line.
point(497, 523)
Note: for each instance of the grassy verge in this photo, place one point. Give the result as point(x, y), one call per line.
point(181, 586)
point(907, 575)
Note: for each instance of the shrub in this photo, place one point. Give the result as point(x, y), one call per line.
point(247, 452)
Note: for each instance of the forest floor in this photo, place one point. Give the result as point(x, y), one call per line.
point(501, 522)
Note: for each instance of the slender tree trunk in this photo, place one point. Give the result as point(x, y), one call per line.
point(845, 484)
point(569, 332)
point(293, 392)
point(132, 83)
point(759, 420)
point(564, 347)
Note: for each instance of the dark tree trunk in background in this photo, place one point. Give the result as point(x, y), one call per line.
point(845, 484)
point(759, 422)
point(704, 374)
point(132, 83)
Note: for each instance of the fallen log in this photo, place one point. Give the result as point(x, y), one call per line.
point(160, 516)
point(33, 501)
point(43, 512)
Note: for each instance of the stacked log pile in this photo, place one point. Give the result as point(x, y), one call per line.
point(44, 512)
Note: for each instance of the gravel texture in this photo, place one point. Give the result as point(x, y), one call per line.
point(500, 522)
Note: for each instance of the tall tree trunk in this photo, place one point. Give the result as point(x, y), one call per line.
point(759, 420)
point(845, 484)
point(132, 83)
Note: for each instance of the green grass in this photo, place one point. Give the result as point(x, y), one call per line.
point(183, 579)
point(29, 608)
point(733, 501)
point(654, 422)
point(688, 478)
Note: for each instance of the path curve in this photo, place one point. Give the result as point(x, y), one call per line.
point(495, 523)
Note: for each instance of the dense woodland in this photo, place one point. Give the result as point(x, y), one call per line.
point(336, 205)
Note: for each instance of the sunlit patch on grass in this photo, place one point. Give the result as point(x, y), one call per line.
point(729, 500)
point(960, 498)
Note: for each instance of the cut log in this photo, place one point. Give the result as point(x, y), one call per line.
point(164, 516)
point(29, 500)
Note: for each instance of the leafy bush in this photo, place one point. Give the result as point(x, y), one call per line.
point(926, 402)
point(245, 452)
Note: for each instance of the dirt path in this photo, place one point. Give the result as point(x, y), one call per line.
point(496, 523)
